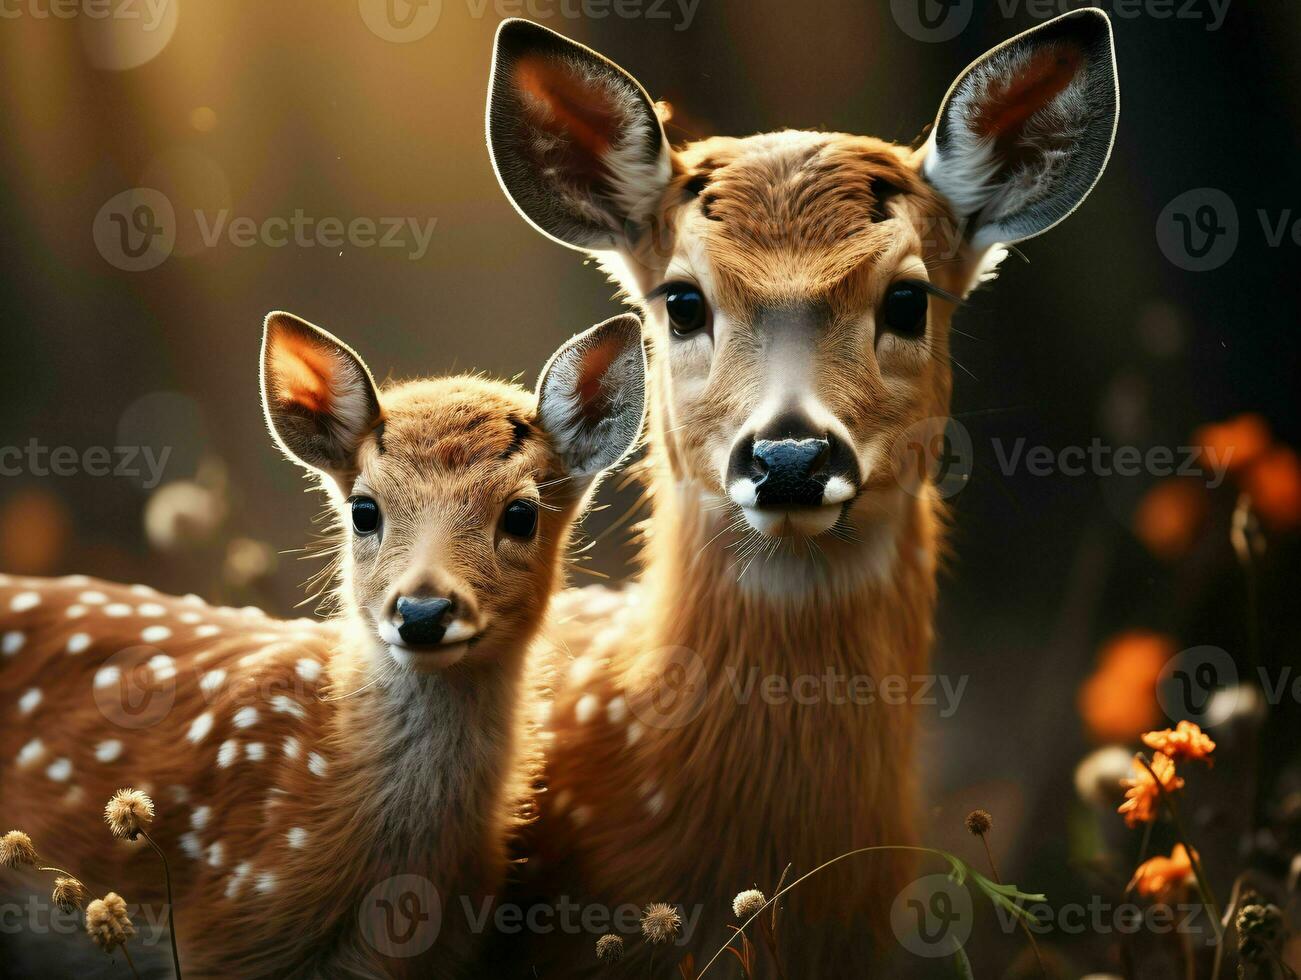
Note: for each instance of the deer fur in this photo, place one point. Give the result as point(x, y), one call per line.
point(793, 239)
point(306, 773)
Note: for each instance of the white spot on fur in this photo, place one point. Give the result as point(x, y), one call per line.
point(210, 683)
point(107, 676)
point(207, 629)
point(190, 845)
point(236, 880)
point(199, 818)
point(117, 610)
point(30, 752)
point(587, 708)
point(316, 763)
point(179, 794)
point(13, 642)
point(59, 770)
point(297, 837)
point(216, 854)
point(24, 601)
point(155, 634)
point(581, 815)
point(78, 642)
point(190, 617)
point(75, 611)
point(308, 670)
point(139, 589)
point(29, 701)
point(93, 598)
point(255, 751)
point(286, 705)
point(200, 727)
point(266, 882)
point(245, 717)
point(151, 609)
point(635, 732)
point(655, 804)
point(108, 750)
point(292, 748)
point(617, 710)
point(163, 666)
point(581, 671)
point(228, 753)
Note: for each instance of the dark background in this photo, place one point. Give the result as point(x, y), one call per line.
point(264, 108)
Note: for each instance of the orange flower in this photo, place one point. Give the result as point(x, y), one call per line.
point(1159, 876)
point(1274, 482)
point(1142, 794)
point(1185, 742)
point(1169, 516)
point(1234, 444)
point(1118, 702)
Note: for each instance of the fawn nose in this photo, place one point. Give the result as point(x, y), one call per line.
point(790, 464)
point(424, 620)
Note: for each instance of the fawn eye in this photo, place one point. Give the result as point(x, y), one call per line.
point(687, 309)
point(904, 309)
point(365, 515)
point(520, 519)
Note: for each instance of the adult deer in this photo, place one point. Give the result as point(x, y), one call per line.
point(323, 787)
point(797, 289)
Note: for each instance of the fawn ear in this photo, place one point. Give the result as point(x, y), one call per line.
point(318, 395)
point(574, 139)
point(592, 394)
point(1025, 132)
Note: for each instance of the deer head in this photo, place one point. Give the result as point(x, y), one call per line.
point(455, 496)
point(798, 286)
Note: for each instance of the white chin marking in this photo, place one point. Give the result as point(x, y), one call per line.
point(837, 491)
point(432, 659)
point(743, 493)
point(803, 521)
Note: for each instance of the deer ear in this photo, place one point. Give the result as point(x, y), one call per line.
point(592, 394)
point(574, 139)
point(318, 395)
point(1026, 130)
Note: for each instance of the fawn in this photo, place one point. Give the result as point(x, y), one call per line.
point(316, 780)
point(797, 289)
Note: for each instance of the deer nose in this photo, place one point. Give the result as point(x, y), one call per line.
point(790, 472)
point(424, 620)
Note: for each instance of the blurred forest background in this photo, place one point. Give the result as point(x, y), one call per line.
point(262, 110)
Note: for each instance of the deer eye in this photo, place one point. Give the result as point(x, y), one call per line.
point(904, 309)
point(520, 519)
point(687, 309)
point(365, 515)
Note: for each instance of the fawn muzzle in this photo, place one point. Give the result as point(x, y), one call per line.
point(424, 620)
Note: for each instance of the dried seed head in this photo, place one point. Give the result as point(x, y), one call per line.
point(69, 894)
point(660, 923)
point(107, 922)
point(609, 948)
point(129, 812)
point(16, 849)
point(979, 822)
point(748, 903)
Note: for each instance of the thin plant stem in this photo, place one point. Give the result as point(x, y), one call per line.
point(1043, 970)
point(171, 907)
point(58, 871)
point(127, 953)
